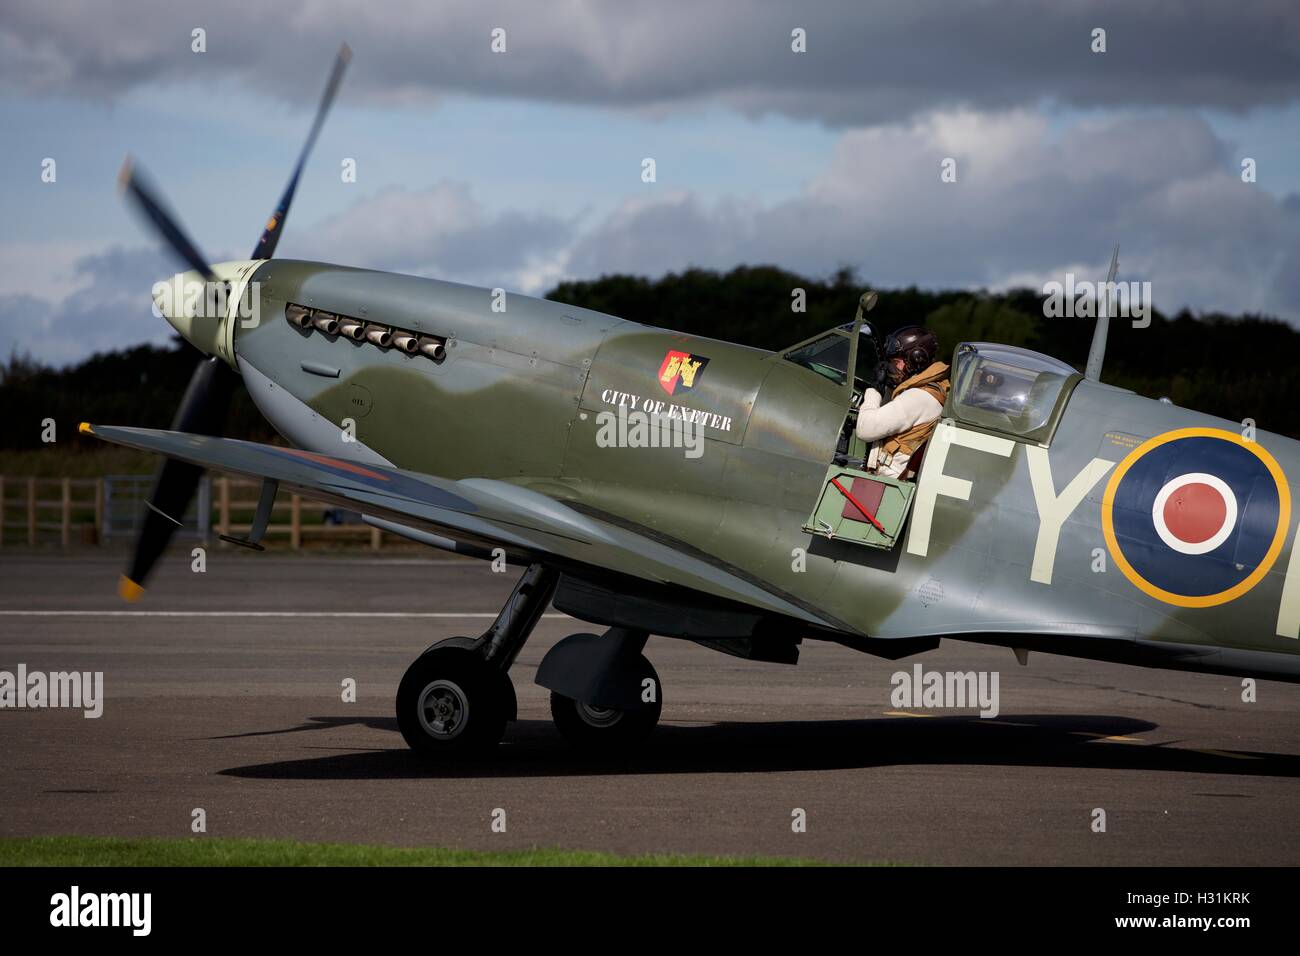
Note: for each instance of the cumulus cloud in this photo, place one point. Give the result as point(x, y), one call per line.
point(46, 269)
point(105, 305)
point(1028, 205)
point(61, 304)
point(1031, 202)
point(866, 62)
point(444, 232)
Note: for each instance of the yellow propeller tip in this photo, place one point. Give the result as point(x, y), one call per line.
point(124, 174)
point(128, 590)
point(85, 428)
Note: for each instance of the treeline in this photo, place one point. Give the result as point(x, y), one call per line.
point(1235, 367)
point(141, 386)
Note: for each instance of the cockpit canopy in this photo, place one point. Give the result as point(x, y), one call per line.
point(1010, 390)
point(828, 355)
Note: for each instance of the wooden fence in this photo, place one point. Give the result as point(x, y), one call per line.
point(70, 507)
point(71, 511)
point(235, 500)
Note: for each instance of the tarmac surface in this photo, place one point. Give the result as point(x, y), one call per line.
point(223, 691)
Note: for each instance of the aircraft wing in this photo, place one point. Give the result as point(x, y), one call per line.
point(481, 510)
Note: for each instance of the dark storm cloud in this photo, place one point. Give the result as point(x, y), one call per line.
point(867, 62)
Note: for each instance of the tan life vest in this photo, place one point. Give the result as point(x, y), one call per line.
point(934, 380)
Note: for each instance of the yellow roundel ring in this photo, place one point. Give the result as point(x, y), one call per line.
point(1241, 587)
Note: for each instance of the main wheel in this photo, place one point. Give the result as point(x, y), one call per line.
point(452, 703)
point(606, 728)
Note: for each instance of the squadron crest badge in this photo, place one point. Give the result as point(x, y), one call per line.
point(680, 370)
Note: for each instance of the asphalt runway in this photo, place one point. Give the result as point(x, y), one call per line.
point(224, 692)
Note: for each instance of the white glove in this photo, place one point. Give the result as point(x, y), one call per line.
point(871, 399)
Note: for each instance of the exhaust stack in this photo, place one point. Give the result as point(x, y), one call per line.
point(298, 316)
point(326, 322)
point(359, 330)
point(352, 329)
point(378, 335)
point(433, 348)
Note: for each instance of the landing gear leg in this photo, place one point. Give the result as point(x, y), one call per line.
point(456, 698)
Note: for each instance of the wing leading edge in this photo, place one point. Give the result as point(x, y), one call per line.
point(482, 510)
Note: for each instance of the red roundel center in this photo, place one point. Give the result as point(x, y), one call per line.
point(1195, 512)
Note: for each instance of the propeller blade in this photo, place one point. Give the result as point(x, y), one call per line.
point(135, 184)
point(265, 248)
point(206, 403)
point(202, 411)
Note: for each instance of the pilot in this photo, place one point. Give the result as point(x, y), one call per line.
point(918, 387)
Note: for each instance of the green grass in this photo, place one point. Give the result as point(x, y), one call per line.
point(204, 851)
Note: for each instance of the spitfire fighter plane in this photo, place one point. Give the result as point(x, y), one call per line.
point(1049, 511)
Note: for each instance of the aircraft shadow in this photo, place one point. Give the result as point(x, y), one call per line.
point(533, 748)
point(317, 723)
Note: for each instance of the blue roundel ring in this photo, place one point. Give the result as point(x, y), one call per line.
point(1196, 516)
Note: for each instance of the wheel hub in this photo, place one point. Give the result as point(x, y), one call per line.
point(443, 709)
point(599, 716)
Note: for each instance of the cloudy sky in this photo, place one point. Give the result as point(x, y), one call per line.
point(517, 169)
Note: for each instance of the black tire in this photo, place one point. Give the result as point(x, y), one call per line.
point(597, 729)
point(452, 703)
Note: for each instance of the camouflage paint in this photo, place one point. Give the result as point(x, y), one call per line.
point(518, 399)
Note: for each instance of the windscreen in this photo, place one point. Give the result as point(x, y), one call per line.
point(1010, 390)
point(829, 356)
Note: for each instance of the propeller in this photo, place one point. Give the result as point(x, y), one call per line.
point(265, 248)
point(204, 408)
point(136, 186)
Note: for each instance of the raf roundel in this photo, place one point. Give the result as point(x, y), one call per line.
point(1195, 513)
point(1197, 516)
